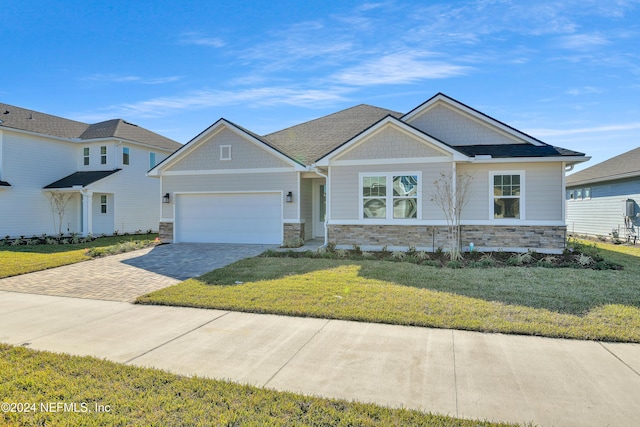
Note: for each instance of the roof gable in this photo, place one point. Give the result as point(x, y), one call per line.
point(432, 145)
point(220, 127)
point(438, 114)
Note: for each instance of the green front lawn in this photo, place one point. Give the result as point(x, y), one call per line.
point(15, 260)
point(553, 302)
point(99, 392)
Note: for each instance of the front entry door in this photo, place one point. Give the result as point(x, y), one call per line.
point(319, 208)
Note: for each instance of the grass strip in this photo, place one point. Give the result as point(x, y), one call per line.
point(15, 260)
point(566, 303)
point(121, 395)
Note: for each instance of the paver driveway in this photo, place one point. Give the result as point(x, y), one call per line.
point(124, 277)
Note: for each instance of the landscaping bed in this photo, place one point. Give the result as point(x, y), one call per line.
point(578, 254)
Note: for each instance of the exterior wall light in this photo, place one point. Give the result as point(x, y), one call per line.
point(289, 197)
point(166, 198)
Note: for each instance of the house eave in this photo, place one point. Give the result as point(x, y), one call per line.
point(566, 159)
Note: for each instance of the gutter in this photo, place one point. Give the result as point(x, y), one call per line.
point(315, 170)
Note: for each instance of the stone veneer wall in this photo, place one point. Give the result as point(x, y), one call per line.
point(293, 231)
point(166, 232)
point(420, 236)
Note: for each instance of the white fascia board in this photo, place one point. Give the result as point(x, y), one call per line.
point(572, 159)
point(228, 171)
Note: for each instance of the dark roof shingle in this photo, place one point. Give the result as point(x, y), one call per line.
point(32, 121)
point(309, 141)
point(81, 178)
point(625, 165)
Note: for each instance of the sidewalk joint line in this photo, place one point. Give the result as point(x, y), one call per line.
point(455, 374)
point(296, 353)
point(622, 361)
point(175, 338)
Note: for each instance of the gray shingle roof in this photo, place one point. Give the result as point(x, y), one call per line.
point(81, 178)
point(309, 141)
point(626, 165)
point(516, 150)
point(23, 119)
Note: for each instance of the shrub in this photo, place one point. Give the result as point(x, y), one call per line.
point(454, 263)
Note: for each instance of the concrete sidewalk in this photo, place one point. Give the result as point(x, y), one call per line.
point(550, 382)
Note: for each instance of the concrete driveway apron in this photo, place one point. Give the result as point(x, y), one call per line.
point(126, 276)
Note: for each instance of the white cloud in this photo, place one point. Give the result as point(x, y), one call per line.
point(398, 68)
point(575, 131)
point(197, 100)
point(583, 91)
point(114, 78)
point(200, 39)
point(583, 41)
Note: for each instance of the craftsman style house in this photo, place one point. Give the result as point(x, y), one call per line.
point(365, 176)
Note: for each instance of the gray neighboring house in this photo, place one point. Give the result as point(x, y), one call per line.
point(96, 171)
point(364, 176)
point(603, 199)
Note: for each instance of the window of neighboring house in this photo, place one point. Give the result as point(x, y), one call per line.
point(587, 193)
point(571, 195)
point(507, 192)
point(152, 160)
point(225, 152)
point(85, 154)
point(125, 155)
point(103, 203)
point(579, 194)
point(103, 155)
point(390, 196)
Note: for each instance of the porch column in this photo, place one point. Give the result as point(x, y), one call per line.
point(87, 217)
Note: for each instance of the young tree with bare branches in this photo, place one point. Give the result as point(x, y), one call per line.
point(451, 194)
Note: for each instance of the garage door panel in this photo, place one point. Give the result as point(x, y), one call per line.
point(229, 218)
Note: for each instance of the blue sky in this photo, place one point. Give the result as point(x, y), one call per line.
point(567, 72)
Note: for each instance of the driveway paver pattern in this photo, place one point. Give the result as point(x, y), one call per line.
point(126, 276)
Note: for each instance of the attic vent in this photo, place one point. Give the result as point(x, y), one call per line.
point(127, 123)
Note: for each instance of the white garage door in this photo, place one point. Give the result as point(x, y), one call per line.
point(229, 218)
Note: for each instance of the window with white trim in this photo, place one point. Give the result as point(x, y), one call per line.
point(125, 155)
point(507, 194)
point(225, 152)
point(152, 160)
point(587, 193)
point(103, 203)
point(103, 155)
point(85, 155)
point(390, 196)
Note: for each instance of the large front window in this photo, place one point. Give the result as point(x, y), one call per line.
point(507, 191)
point(390, 196)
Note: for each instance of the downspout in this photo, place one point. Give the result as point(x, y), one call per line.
point(328, 204)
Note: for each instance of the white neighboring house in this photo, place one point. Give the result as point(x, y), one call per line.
point(97, 170)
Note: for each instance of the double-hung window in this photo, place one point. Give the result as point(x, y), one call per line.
point(508, 189)
point(390, 196)
point(103, 155)
point(125, 155)
point(103, 203)
point(85, 155)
